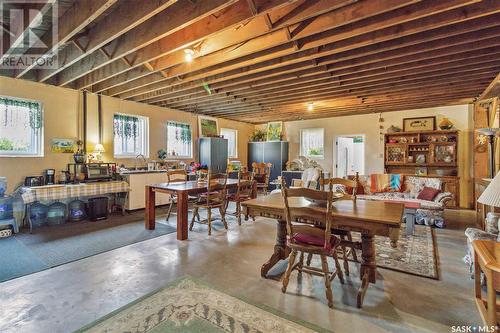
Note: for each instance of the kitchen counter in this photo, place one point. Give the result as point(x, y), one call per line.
point(133, 172)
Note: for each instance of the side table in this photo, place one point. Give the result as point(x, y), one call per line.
point(487, 260)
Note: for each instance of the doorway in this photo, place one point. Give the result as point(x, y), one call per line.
point(349, 155)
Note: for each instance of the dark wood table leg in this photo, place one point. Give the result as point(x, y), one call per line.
point(182, 215)
point(281, 251)
point(368, 266)
point(149, 220)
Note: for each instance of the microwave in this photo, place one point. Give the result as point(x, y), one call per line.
point(98, 171)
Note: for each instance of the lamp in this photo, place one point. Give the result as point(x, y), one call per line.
point(491, 195)
point(490, 134)
point(98, 150)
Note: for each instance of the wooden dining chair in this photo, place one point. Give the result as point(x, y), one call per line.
point(177, 176)
point(309, 232)
point(332, 184)
point(261, 173)
point(214, 198)
point(243, 193)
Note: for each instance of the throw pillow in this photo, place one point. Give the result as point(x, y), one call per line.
point(428, 193)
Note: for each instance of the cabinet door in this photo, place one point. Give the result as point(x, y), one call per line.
point(272, 154)
point(255, 153)
point(155, 178)
point(137, 196)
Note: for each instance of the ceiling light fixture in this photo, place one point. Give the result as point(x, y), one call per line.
point(310, 106)
point(188, 55)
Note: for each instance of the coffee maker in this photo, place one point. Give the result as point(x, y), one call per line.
point(50, 177)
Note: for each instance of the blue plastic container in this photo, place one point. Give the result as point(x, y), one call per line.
point(56, 214)
point(77, 211)
point(3, 186)
point(38, 214)
point(6, 208)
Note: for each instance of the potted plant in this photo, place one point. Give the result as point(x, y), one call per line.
point(258, 136)
point(79, 155)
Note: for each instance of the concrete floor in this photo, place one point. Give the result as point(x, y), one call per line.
point(65, 298)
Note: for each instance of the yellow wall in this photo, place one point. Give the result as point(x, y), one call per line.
point(61, 109)
point(374, 148)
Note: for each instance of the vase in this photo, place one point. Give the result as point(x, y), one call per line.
point(445, 124)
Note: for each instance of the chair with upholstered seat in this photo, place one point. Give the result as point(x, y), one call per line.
point(243, 193)
point(214, 198)
point(343, 186)
point(309, 232)
point(261, 173)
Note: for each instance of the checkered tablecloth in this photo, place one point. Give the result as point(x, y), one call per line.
point(32, 194)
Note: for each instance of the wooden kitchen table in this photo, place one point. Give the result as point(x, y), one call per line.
point(370, 218)
point(182, 190)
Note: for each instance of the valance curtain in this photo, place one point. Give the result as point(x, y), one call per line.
point(20, 113)
point(126, 126)
point(182, 131)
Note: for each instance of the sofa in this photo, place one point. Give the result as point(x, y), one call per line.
point(431, 212)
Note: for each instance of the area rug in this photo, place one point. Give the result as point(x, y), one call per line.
point(415, 254)
point(188, 305)
point(48, 247)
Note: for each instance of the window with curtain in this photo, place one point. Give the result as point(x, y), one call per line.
point(232, 141)
point(179, 140)
point(312, 142)
point(21, 127)
point(131, 135)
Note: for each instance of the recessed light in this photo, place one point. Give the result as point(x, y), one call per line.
point(310, 106)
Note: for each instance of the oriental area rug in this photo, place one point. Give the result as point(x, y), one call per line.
point(188, 305)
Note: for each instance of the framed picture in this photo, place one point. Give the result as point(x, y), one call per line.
point(65, 146)
point(419, 124)
point(274, 130)
point(208, 126)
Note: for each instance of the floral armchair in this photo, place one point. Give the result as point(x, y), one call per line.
point(491, 232)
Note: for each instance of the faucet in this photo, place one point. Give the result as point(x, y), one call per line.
point(137, 157)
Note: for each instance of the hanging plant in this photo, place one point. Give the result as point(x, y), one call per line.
point(182, 131)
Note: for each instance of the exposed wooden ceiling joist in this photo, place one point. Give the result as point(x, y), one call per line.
point(263, 60)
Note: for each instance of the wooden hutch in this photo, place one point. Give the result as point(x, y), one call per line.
point(425, 154)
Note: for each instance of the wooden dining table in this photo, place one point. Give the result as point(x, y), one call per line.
point(370, 218)
point(182, 190)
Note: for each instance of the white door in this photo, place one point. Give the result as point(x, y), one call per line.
point(344, 156)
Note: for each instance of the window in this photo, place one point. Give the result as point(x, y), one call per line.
point(312, 142)
point(179, 140)
point(232, 141)
point(21, 127)
point(131, 136)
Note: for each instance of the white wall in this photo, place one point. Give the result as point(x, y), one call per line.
point(368, 124)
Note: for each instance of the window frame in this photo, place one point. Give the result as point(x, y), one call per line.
point(235, 143)
point(37, 138)
point(179, 157)
point(145, 143)
point(319, 157)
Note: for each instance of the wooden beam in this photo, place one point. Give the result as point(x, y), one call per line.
point(226, 45)
point(127, 16)
point(493, 89)
point(384, 35)
point(75, 19)
point(183, 24)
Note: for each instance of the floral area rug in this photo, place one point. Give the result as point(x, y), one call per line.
point(188, 305)
point(415, 254)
